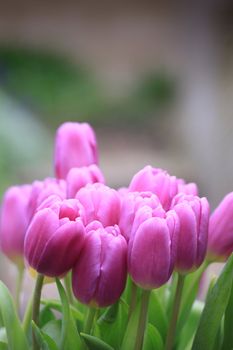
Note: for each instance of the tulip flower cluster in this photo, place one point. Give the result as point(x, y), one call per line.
point(115, 244)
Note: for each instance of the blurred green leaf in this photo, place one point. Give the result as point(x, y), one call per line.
point(214, 309)
point(57, 305)
point(157, 315)
point(95, 343)
point(53, 330)
point(152, 339)
point(228, 324)
point(46, 315)
point(43, 339)
point(131, 330)
point(15, 335)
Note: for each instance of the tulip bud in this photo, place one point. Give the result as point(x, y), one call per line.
point(157, 181)
point(152, 251)
point(14, 222)
point(80, 177)
point(220, 243)
point(75, 146)
point(101, 203)
point(99, 275)
point(131, 202)
point(193, 213)
point(55, 237)
point(41, 190)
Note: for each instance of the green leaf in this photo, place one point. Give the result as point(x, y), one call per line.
point(46, 315)
point(70, 338)
point(3, 336)
point(228, 324)
point(3, 346)
point(15, 335)
point(131, 330)
point(45, 342)
point(152, 339)
point(53, 330)
point(95, 343)
point(57, 305)
point(214, 309)
point(157, 315)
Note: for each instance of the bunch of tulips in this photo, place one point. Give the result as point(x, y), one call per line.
point(128, 263)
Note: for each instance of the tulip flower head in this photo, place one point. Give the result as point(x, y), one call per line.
point(14, 222)
point(80, 177)
point(99, 275)
point(100, 203)
point(220, 243)
point(75, 146)
point(55, 237)
point(193, 213)
point(152, 249)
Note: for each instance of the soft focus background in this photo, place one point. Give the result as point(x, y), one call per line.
point(155, 79)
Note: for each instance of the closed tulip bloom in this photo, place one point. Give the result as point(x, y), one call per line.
point(80, 177)
point(55, 237)
point(41, 190)
point(75, 146)
point(101, 203)
point(14, 222)
point(220, 243)
point(152, 251)
point(130, 204)
point(157, 181)
point(99, 276)
point(193, 213)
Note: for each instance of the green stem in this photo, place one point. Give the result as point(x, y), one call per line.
point(88, 323)
point(27, 316)
point(36, 306)
point(142, 319)
point(175, 312)
point(133, 299)
point(20, 274)
point(67, 281)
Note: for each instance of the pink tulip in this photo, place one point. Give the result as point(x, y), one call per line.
point(131, 202)
point(190, 188)
point(157, 181)
point(152, 250)
point(101, 203)
point(80, 177)
point(55, 237)
point(220, 244)
point(14, 221)
point(75, 146)
point(193, 213)
point(41, 190)
point(99, 275)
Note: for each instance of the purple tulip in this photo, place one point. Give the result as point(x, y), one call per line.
point(14, 222)
point(101, 203)
point(99, 275)
point(193, 213)
point(152, 250)
point(75, 146)
point(220, 243)
point(80, 177)
point(55, 237)
point(131, 202)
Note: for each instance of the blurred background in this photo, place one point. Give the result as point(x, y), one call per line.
point(155, 79)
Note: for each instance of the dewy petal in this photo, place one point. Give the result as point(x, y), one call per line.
point(149, 264)
point(86, 271)
point(62, 250)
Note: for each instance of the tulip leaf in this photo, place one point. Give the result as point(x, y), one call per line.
point(57, 305)
point(131, 330)
point(228, 324)
point(157, 315)
point(95, 343)
point(70, 338)
point(3, 336)
point(152, 339)
point(3, 346)
point(46, 315)
point(43, 339)
point(214, 309)
point(53, 330)
point(15, 335)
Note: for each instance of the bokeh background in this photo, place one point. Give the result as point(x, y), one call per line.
point(154, 78)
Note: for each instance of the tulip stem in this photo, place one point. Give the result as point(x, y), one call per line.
point(175, 312)
point(142, 319)
point(89, 320)
point(67, 281)
point(36, 306)
point(20, 274)
point(133, 299)
point(27, 316)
